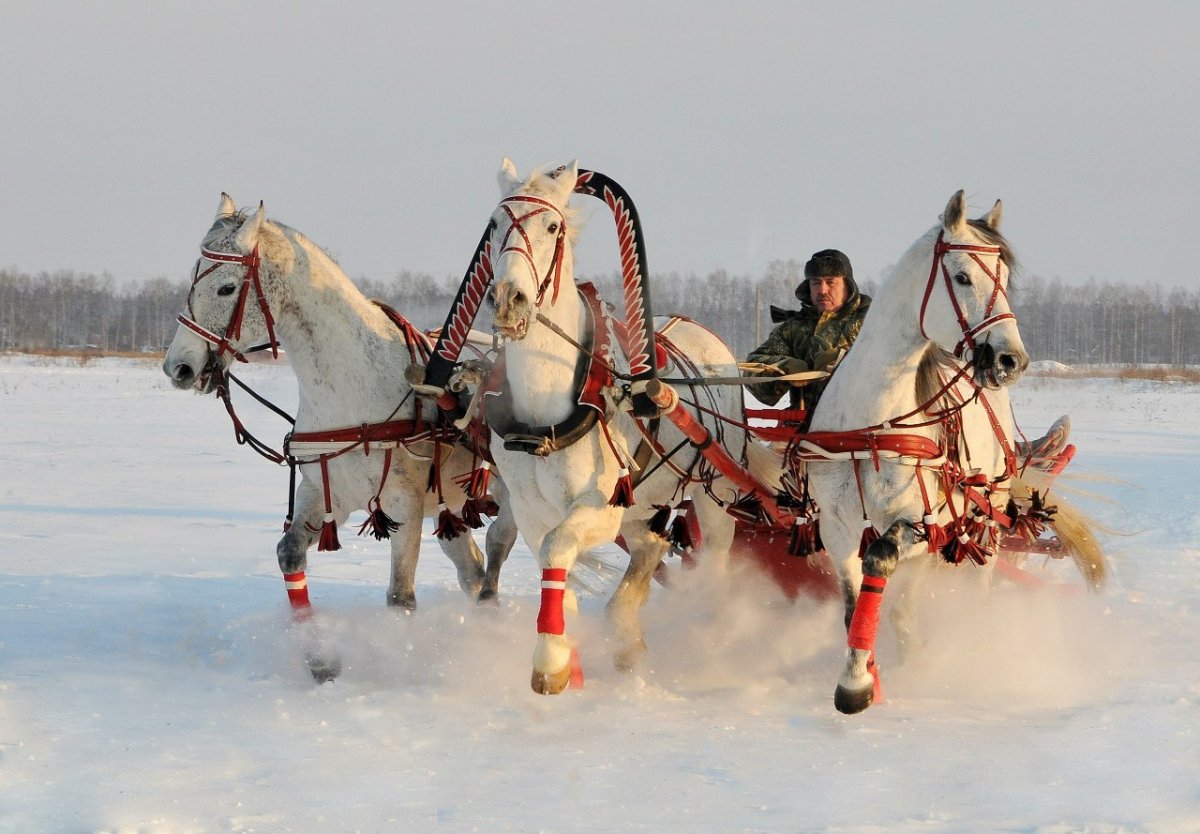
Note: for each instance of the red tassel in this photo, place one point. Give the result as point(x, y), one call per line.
point(936, 535)
point(679, 536)
point(449, 526)
point(658, 521)
point(329, 535)
point(379, 524)
point(749, 508)
point(471, 515)
point(869, 537)
point(475, 483)
point(800, 543)
point(623, 492)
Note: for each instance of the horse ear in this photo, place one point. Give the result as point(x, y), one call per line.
point(955, 215)
point(507, 177)
point(247, 236)
point(565, 177)
point(226, 208)
point(992, 218)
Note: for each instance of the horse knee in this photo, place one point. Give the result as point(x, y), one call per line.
point(292, 553)
point(883, 554)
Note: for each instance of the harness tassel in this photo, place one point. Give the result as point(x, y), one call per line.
point(475, 483)
point(935, 534)
point(805, 539)
point(869, 536)
point(379, 524)
point(328, 539)
point(658, 521)
point(449, 526)
point(623, 492)
point(471, 514)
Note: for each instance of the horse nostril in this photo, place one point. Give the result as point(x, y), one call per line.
point(1009, 361)
point(184, 372)
point(518, 298)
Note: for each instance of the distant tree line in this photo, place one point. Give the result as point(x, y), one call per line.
point(1076, 324)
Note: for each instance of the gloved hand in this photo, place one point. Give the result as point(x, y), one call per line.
point(827, 360)
point(792, 365)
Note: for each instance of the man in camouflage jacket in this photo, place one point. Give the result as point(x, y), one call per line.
point(814, 337)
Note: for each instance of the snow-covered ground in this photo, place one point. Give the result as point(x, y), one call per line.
point(149, 682)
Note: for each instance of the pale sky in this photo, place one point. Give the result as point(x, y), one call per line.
point(745, 131)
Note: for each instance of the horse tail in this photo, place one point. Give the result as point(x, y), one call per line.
point(1074, 529)
point(765, 464)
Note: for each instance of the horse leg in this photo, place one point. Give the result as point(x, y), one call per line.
point(501, 536)
point(856, 687)
point(468, 561)
point(716, 534)
point(292, 553)
point(904, 610)
point(409, 511)
point(646, 550)
point(590, 522)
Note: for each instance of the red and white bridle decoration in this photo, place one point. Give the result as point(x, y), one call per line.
point(554, 270)
point(940, 250)
point(224, 344)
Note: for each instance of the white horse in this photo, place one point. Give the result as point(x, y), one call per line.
point(567, 501)
point(258, 280)
point(946, 297)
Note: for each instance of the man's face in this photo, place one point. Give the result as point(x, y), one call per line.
point(828, 292)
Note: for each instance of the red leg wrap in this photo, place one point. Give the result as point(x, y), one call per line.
point(576, 681)
point(550, 616)
point(297, 591)
point(865, 623)
point(873, 668)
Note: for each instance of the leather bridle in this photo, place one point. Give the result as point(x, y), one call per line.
point(554, 269)
point(233, 330)
point(940, 250)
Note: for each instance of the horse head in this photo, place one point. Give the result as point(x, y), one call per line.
point(227, 309)
point(531, 235)
point(965, 307)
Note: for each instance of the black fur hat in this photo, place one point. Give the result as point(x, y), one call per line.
point(827, 262)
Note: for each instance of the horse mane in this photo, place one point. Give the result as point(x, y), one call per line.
point(227, 227)
point(992, 237)
point(540, 183)
point(935, 365)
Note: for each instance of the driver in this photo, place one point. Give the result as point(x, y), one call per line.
point(815, 337)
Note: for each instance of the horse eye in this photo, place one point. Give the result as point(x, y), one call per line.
point(963, 279)
point(227, 289)
point(552, 228)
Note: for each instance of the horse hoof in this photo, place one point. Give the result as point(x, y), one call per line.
point(627, 658)
point(324, 670)
point(489, 597)
point(551, 683)
point(853, 701)
point(407, 602)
